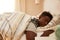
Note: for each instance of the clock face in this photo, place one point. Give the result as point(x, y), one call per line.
point(1, 38)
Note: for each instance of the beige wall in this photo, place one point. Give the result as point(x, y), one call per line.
point(52, 6)
point(32, 8)
point(17, 5)
point(20, 5)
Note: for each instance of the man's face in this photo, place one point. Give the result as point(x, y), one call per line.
point(44, 20)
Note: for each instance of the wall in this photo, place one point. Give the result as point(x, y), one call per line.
point(53, 6)
point(20, 5)
point(32, 8)
point(17, 5)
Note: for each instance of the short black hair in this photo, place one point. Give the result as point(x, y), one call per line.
point(45, 13)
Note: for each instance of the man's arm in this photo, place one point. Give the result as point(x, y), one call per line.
point(47, 33)
point(30, 31)
point(30, 35)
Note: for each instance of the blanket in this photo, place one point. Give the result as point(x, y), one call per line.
point(13, 25)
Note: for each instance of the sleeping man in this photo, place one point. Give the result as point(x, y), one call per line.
point(42, 21)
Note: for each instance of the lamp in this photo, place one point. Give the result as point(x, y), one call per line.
point(37, 1)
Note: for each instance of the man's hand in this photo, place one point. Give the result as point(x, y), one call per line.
point(30, 35)
point(47, 33)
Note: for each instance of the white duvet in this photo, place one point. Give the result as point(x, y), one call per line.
point(12, 26)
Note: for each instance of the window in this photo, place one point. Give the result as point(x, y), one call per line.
point(7, 6)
